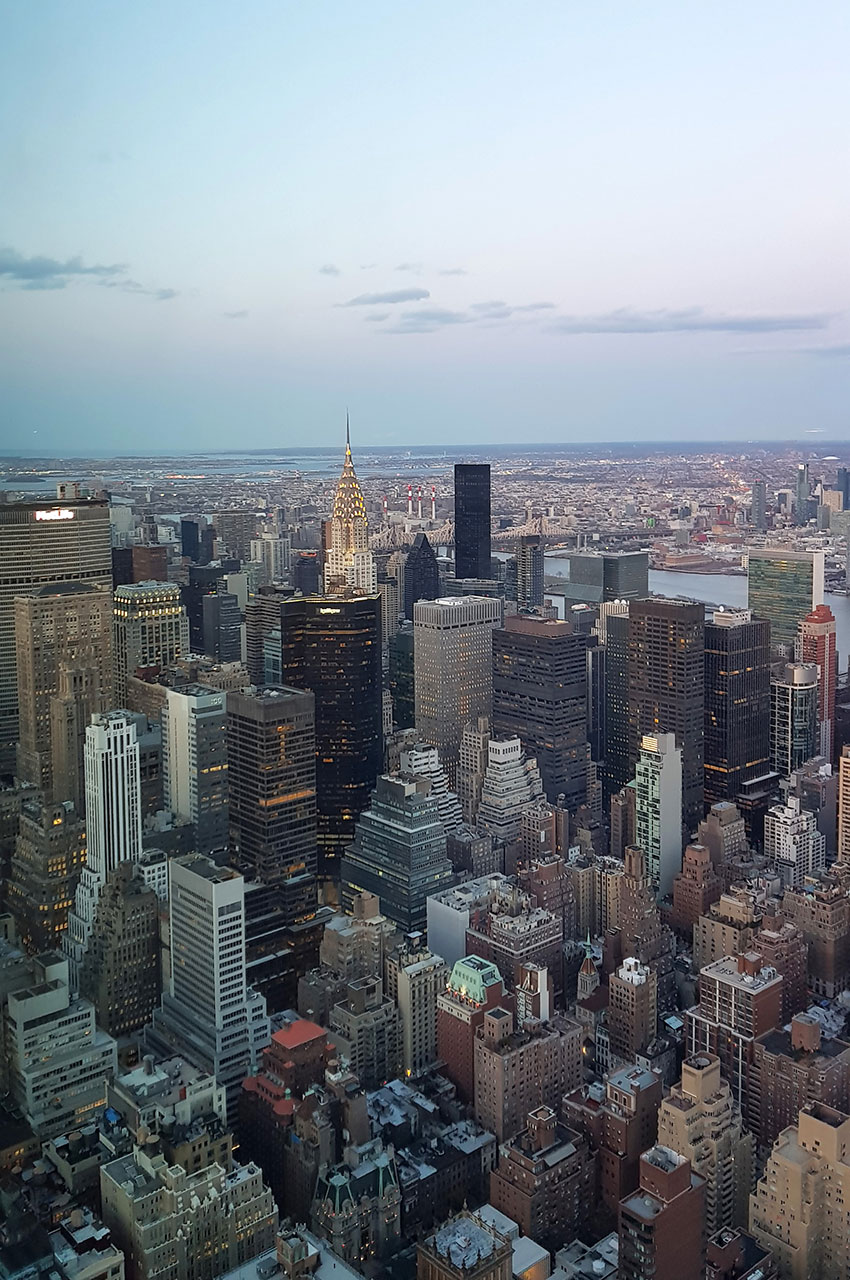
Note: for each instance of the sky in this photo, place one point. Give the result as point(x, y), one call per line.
point(223, 224)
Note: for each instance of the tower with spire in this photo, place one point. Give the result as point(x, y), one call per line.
point(349, 564)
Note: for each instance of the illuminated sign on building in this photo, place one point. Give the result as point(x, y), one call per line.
point(55, 513)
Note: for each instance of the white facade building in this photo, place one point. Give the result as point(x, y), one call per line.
point(793, 843)
point(113, 820)
point(194, 761)
point(658, 808)
point(512, 785)
point(423, 761)
point(274, 554)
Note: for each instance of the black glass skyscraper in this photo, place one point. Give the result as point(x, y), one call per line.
point(737, 703)
point(421, 575)
point(472, 520)
point(618, 771)
point(331, 645)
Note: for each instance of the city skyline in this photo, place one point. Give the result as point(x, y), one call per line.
point(578, 226)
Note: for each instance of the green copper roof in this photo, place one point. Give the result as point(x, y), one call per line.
point(472, 976)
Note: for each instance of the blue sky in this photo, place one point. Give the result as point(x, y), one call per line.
point(221, 223)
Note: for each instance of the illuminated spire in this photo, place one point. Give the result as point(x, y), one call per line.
point(349, 505)
point(348, 561)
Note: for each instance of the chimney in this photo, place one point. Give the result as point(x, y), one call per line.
point(805, 1033)
point(750, 962)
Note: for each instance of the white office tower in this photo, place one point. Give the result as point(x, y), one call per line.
point(274, 554)
point(453, 669)
point(512, 785)
point(423, 761)
point(792, 842)
point(209, 1015)
point(658, 809)
point(113, 821)
point(472, 765)
point(57, 1060)
point(194, 761)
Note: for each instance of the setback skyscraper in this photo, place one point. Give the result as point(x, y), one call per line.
point(666, 687)
point(150, 630)
point(472, 520)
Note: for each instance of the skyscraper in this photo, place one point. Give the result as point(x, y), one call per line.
point(758, 513)
point(662, 1224)
point(421, 575)
point(113, 820)
point(50, 852)
point(783, 586)
point(65, 627)
point(816, 644)
point(844, 805)
point(530, 570)
point(398, 851)
point(194, 761)
point(150, 630)
point(793, 717)
point(737, 702)
point(453, 669)
point(209, 1014)
point(41, 543)
point(600, 576)
point(472, 520)
point(793, 844)
point(271, 747)
point(349, 564)
point(666, 687)
point(613, 629)
point(802, 494)
point(540, 696)
point(658, 809)
point(332, 647)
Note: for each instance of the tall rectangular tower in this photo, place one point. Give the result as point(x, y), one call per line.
point(332, 647)
point(271, 743)
point(737, 702)
point(41, 543)
point(472, 520)
point(453, 669)
point(783, 586)
point(666, 687)
point(658, 809)
point(540, 696)
point(150, 630)
point(65, 627)
point(194, 751)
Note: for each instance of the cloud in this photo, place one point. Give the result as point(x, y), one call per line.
point(376, 316)
point(235, 315)
point(383, 299)
point(428, 319)
point(837, 351)
point(415, 267)
point(368, 266)
point(49, 273)
point(687, 320)
point(329, 270)
point(536, 306)
point(454, 271)
point(133, 286)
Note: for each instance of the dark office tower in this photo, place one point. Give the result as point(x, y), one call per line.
point(120, 971)
point(401, 670)
point(472, 520)
point(597, 576)
point(332, 646)
point(540, 696)
point(222, 626)
point(737, 702)
point(842, 484)
point(150, 564)
point(666, 688)
point(190, 540)
point(203, 581)
point(529, 573)
point(42, 543)
point(207, 543)
point(271, 748)
point(234, 531)
point(122, 566)
point(596, 698)
point(50, 852)
point(262, 617)
point(421, 575)
point(802, 493)
point(306, 571)
point(758, 515)
point(618, 771)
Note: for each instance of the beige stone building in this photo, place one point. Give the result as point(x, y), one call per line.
point(700, 1120)
point(800, 1209)
point(727, 929)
